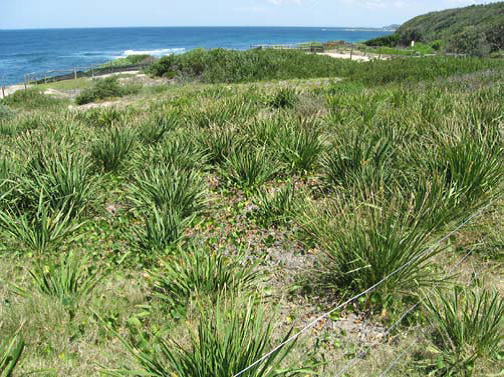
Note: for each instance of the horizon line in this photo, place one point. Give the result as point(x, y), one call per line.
point(384, 28)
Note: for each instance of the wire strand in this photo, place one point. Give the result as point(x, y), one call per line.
point(361, 355)
point(410, 346)
point(370, 289)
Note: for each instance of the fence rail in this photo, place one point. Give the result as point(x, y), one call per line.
point(45, 77)
point(308, 47)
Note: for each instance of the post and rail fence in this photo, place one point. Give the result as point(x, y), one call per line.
point(74, 73)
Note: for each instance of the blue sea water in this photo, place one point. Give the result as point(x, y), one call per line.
point(26, 51)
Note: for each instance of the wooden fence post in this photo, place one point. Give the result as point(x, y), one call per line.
point(25, 82)
point(351, 52)
point(75, 73)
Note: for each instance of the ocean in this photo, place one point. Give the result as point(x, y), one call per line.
point(27, 51)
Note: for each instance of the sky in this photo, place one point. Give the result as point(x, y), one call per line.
point(25, 14)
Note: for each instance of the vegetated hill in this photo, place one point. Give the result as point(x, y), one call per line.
point(476, 30)
point(392, 27)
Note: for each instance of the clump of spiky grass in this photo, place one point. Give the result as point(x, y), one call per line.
point(264, 130)
point(11, 350)
point(249, 167)
point(472, 167)
point(276, 208)
point(65, 180)
point(219, 144)
point(112, 148)
point(181, 191)
point(42, 230)
point(284, 98)
point(229, 338)
point(68, 281)
point(103, 117)
point(179, 151)
point(299, 145)
point(157, 126)
point(365, 242)
point(162, 229)
point(5, 113)
point(360, 160)
point(8, 173)
point(195, 272)
point(220, 113)
point(468, 327)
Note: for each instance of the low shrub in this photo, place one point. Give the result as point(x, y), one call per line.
point(104, 89)
point(31, 99)
point(379, 72)
point(128, 60)
point(388, 41)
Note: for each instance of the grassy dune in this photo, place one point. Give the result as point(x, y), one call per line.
point(194, 226)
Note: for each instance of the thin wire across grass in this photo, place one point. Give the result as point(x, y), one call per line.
point(396, 323)
point(228, 338)
point(365, 292)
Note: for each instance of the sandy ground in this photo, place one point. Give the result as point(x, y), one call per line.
point(339, 55)
point(357, 57)
point(10, 89)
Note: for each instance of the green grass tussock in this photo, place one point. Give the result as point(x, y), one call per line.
point(201, 273)
point(467, 328)
point(228, 338)
point(111, 149)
